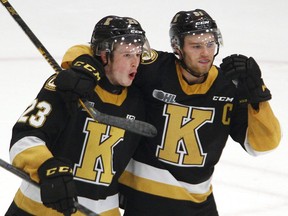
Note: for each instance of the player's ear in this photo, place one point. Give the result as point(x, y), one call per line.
point(103, 56)
point(178, 52)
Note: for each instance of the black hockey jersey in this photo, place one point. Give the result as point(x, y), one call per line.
point(99, 152)
point(193, 124)
point(172, 171)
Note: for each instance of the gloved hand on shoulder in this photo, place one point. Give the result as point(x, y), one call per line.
point(57, 187)
point(80, 80)
point(246, 74)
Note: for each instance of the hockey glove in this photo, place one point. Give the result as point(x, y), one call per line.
point(246, 74)
point(79, 81)
point(57, 188)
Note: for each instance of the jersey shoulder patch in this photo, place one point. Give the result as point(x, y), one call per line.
point(49, 85)
point(150, 59)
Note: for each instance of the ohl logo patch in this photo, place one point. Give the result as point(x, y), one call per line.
point(164, 96)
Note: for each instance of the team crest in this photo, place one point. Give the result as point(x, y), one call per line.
point(49, 85)
point(149, 59)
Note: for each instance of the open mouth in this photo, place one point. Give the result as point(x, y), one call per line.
point(132, 75)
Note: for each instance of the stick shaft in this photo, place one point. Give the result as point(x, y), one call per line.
point(44, 52)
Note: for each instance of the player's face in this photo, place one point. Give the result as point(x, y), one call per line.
point(122, 69)
point(198, 52)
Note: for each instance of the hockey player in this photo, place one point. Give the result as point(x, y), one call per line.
point(72, 156)
point(195, 107)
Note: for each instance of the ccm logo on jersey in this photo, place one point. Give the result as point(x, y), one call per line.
point(221, 98)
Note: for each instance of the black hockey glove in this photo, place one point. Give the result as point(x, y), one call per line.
point(246, 74)
point(80, 80)
point(57, 187)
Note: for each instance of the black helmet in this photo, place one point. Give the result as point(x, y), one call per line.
point(113, 29)
point(192, 22)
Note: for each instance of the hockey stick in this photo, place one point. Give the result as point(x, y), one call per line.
point(135, 126)
point(132, 125)
point(26, 177)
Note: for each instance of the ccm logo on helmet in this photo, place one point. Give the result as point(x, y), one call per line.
point(134, 31)
point(202, 23)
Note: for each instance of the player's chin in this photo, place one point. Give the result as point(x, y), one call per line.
point(203, 69)
point(127, 82)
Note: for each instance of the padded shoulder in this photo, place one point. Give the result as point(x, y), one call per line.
point(73, 52)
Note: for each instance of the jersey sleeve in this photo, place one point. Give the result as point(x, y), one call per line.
point(35, 132)
point(258, 131)
point(264, 131)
